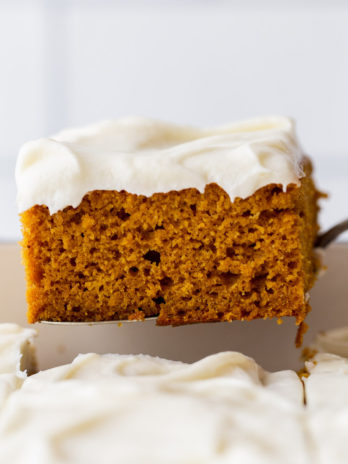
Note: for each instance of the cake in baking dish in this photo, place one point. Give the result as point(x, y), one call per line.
point(138, 409)
point(224, 408)
point(134, 218)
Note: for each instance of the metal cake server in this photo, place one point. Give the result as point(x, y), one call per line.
point(322, 241)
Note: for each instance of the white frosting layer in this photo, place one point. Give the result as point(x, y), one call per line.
point(327, 384)
point(138, 409)
point(17, 358)
point(333, 341)
point(144, 156)
point(327, 407)
point(16, 349)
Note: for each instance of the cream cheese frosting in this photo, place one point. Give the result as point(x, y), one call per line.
point(139, 409)
point(17, 358)
point(327, 407)
point(16, 349)
point(333, 341)
point(136, 409)
point(144, 156)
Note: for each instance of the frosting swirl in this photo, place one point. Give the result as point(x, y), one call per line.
point(144, 156)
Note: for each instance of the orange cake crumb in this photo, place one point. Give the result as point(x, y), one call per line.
point(183, 256)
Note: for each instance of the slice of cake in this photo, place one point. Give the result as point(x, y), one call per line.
point(139, 409)
point(135, 218)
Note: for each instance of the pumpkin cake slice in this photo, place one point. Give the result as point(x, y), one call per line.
point(134, 218)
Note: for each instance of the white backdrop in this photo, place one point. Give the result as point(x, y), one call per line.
point(71, 62)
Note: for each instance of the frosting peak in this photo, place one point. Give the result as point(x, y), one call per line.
point(144, 156)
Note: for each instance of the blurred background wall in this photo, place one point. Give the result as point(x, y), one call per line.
point(71, 62)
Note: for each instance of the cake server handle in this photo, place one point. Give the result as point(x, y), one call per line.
point(324, 239)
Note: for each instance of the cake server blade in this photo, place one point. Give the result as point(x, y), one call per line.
point(117, 321)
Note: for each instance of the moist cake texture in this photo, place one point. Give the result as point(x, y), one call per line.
point(194, 254)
